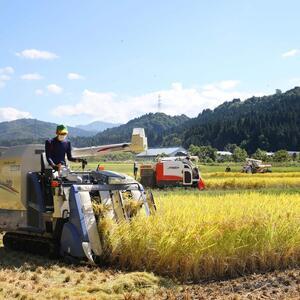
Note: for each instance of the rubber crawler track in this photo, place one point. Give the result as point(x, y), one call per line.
point(32, 244)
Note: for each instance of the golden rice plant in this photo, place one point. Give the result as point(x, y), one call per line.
point(251, 182)
point(106, 223)
point(205, 236)
point(257, 175)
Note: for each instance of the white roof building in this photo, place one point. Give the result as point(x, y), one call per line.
point(224, 153)
point(152, 153)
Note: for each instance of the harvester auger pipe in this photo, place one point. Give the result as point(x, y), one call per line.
point(138, 144)
point(54, 213)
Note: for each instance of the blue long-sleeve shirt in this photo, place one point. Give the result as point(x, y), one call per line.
point(56, 151)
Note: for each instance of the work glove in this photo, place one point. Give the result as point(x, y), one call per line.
point(56, 167)
point(82, 160)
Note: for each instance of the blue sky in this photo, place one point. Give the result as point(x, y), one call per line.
point(78, 61)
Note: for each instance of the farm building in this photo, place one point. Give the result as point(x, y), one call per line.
point(224, 153)
point(152, 153)
point(291, 153)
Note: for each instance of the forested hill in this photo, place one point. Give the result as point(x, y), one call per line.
point(269, 122)
point(24, 131)
point(156, 125)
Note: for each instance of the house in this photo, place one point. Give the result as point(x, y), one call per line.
point(293, 153)
point(153, 153)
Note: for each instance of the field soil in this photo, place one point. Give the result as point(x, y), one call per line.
point(25, 276)
point(273, 285)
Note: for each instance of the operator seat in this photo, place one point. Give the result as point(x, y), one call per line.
point(44, 163)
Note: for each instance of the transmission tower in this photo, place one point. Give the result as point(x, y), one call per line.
point(159, 103)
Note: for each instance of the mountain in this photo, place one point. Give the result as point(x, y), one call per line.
point(97, 126)
point(270, 123)
point(31, 130)
point(156, 126)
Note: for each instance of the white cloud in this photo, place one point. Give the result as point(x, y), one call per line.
point(222, 85)
point(32, 76)
point(228, 84)
point(54, 89)
point(290, 53)
point(39, 92)
point(176, 100)
point(36, 54)
point(74, 76)
point(295, 81)
point(7, 70)
point(5, 75)
point(10, 114)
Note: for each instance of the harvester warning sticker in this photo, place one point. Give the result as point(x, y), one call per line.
point(7, 186)
point(10, 184)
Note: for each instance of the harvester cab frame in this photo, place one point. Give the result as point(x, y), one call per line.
point(47, 212)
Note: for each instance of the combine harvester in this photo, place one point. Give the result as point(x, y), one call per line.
point(171, 172)
point(51, 213)
point(255, 166)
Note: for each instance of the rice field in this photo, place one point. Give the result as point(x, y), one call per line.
point(225, 181)
point(236, 180)
point(254, 227)
point(254, 183)
point(241, 224)
point(194, 237)
point(257, 175)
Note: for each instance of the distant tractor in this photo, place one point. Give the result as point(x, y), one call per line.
point(255, 166)
point(171, 172)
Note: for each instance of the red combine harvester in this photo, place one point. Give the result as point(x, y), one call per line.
point(170, 172)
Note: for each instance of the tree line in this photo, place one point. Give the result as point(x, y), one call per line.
point(209, 154)
point(270, 123)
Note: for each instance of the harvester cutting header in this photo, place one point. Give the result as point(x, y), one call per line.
point(47, 208)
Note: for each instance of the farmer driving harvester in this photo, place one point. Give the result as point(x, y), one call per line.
point(57, 148)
